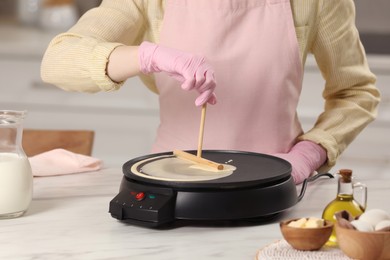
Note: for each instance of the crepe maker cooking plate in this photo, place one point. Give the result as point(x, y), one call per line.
point(261, 186)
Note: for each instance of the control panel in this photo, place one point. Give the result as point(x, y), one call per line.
point(145, 205)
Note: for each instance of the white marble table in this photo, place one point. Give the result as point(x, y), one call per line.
point(69, 219)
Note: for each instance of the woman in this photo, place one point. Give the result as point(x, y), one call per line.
point(253, 51)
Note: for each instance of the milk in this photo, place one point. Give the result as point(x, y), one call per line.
point(16, 183)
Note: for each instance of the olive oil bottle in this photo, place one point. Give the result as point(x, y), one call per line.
point(345, 200)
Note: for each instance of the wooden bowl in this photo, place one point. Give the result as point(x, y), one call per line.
point(307, 239)
point(363, 245)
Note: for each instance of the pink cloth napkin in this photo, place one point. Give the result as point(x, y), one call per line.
point(61, 161)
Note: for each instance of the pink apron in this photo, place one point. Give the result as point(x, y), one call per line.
point(253, 49)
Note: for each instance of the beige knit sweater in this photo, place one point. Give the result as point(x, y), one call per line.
point(76, 60)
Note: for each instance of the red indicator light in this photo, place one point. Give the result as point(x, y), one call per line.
point(140, 196)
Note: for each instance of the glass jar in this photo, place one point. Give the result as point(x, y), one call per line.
point(58, 15)
point(16, 180)
point(345, 200)
point(28, 11)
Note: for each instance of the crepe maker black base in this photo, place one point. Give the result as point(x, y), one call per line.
point(261, 186)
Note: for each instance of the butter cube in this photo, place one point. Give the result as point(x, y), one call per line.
point(314, 223)
point(298, 223)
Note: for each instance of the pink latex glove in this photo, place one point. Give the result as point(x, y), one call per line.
point(305, 158)
point(192, 71)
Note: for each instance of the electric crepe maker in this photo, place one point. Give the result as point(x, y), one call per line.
point(260, 188)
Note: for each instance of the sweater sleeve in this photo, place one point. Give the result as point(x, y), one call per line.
point(76, 60)
point(351, 97)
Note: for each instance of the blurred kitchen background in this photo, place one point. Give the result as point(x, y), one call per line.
point(125, 121)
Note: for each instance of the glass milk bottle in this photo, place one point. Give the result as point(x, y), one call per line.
point(16, 180)
point(345, 200)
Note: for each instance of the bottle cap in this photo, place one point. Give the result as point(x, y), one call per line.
point(346, 175)
point(48, 3)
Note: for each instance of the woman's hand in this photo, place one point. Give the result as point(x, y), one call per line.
point(192, 71)
point(305, 157)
